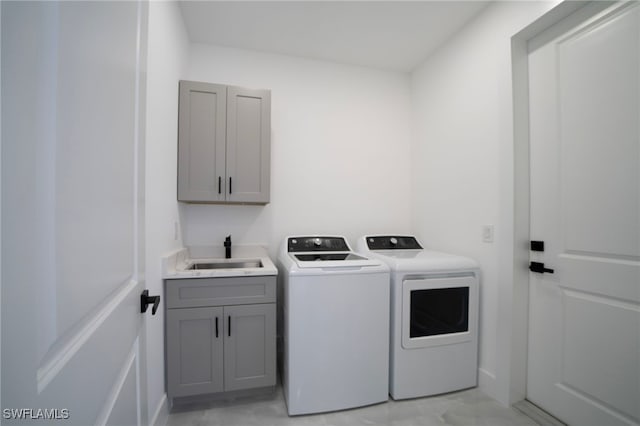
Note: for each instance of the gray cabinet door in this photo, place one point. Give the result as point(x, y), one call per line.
point(248, 145)
point(194, 351)
point(250, 346)
point(201, 142)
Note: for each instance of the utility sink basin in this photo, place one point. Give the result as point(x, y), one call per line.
point(225, 264)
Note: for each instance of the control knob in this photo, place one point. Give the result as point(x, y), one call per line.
point(393, 241)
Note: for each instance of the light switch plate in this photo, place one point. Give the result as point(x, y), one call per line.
point(487, 233)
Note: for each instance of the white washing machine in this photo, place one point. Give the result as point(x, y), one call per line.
point(434, 317)
point(335, 310)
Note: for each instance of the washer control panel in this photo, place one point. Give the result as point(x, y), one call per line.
point(302, 244)
point(392, 242)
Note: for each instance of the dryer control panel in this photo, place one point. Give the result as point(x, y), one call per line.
point(392, 242)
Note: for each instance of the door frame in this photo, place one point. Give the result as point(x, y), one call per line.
point(516, 341)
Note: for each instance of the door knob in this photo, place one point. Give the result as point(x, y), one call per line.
point(540, 268)
point(146, 300)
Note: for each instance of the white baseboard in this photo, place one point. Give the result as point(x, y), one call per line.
point(487, 383)
point(537, 414)
point(161, 414)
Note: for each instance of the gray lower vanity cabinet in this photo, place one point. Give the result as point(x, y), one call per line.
point(195, 351)
point(224, 144)
point(220, 334)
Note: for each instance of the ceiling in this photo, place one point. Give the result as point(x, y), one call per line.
point(390, 35)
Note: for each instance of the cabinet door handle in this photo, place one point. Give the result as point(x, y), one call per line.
point(219, 184)
point(230, 187)
point(229, 324)
point(216, 327)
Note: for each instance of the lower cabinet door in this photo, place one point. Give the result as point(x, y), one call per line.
point(250, 346)
point(194, 351)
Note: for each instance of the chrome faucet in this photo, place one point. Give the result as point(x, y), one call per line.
point(227, 247)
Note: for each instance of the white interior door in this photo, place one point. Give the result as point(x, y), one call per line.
point(72, 215)
point(584, 335)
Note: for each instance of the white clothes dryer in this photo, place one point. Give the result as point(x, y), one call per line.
point(434, 316)
point(335, 311)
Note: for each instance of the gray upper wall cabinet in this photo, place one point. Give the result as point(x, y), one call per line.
point(224, 144)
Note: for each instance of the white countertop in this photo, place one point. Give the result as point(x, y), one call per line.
point(174, 265)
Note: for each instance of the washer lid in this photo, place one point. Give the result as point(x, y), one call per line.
point(332, 260)
point(326, 257)
point(325, 252)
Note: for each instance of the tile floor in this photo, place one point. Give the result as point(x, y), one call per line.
point(469, 407)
